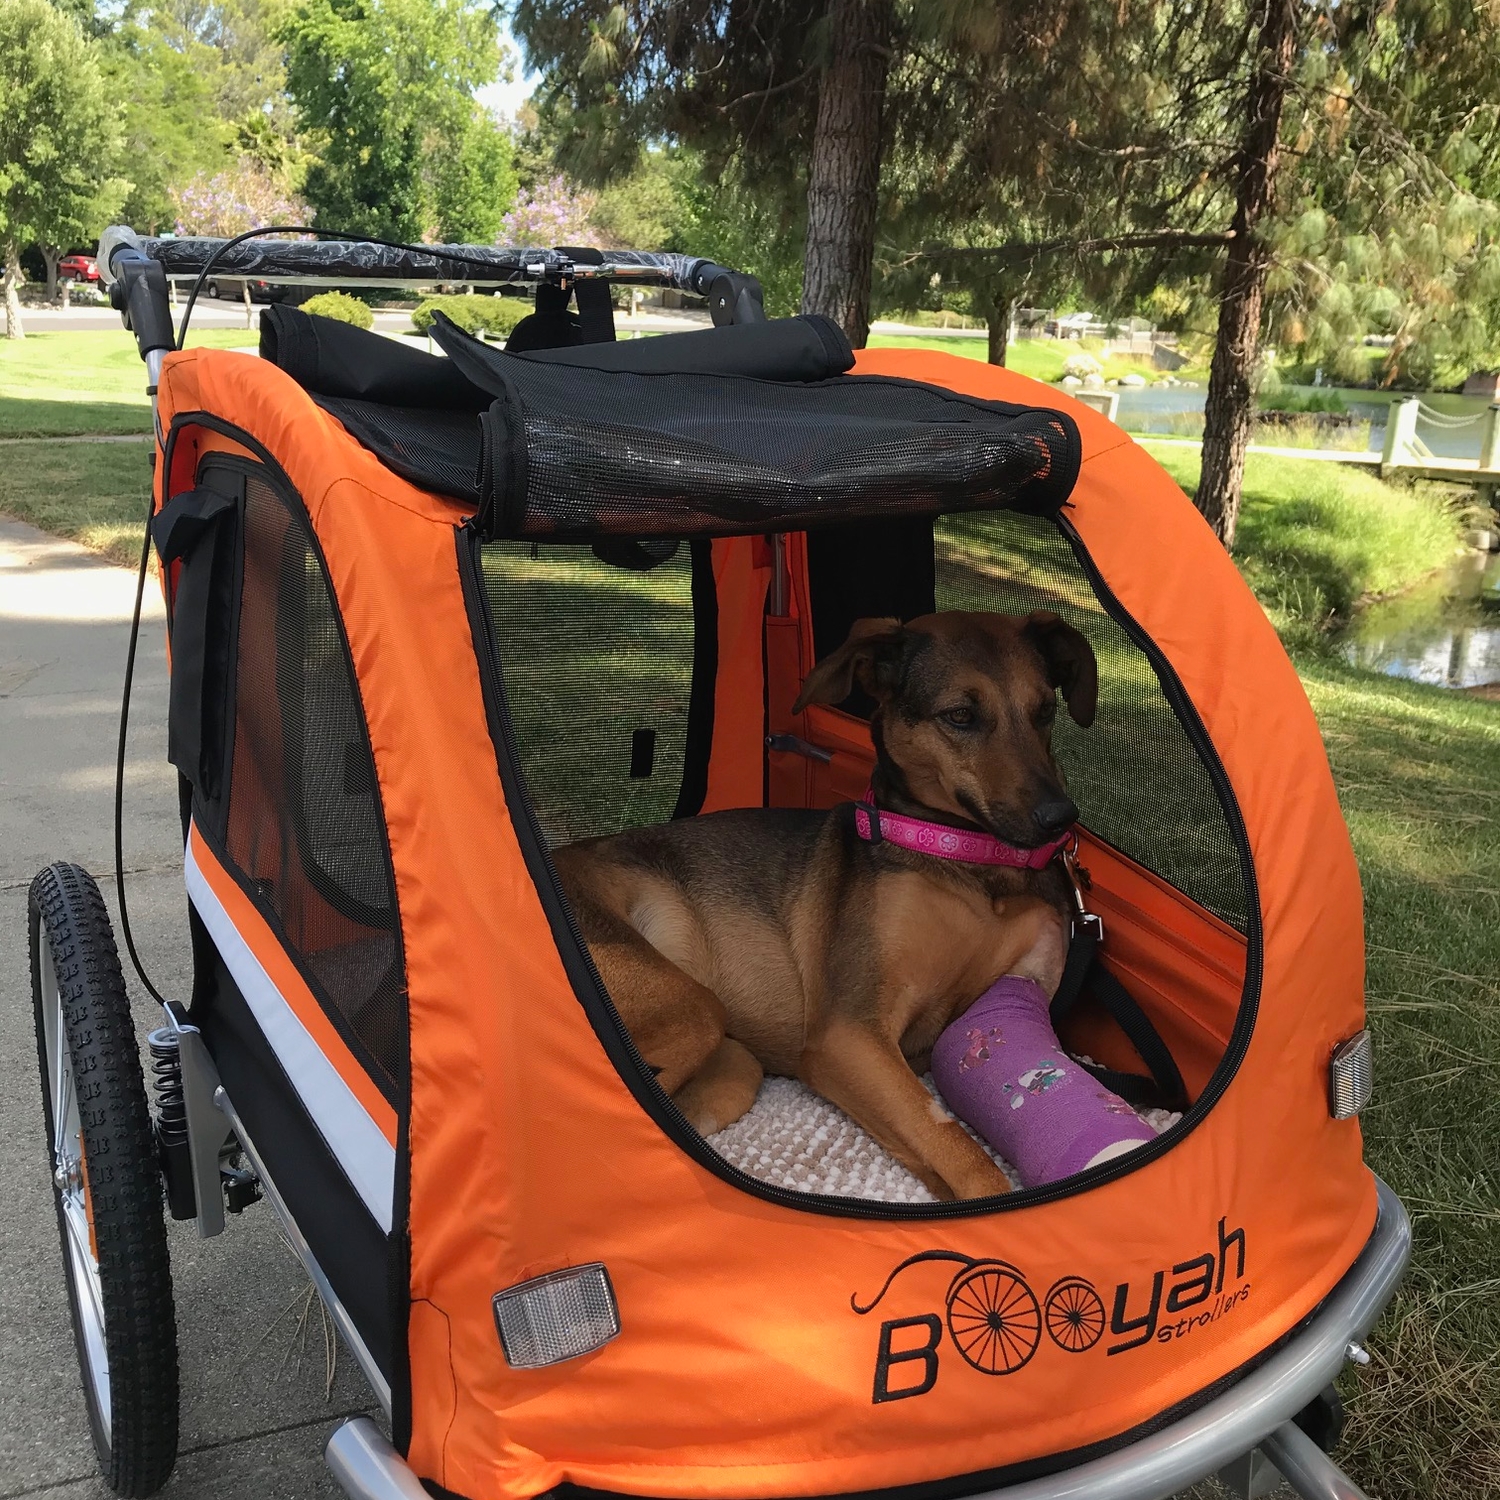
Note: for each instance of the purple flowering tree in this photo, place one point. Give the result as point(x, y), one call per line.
point(551, 213)
point(223, 204)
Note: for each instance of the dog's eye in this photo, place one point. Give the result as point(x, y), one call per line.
point(959, 718)
point(1047, 712)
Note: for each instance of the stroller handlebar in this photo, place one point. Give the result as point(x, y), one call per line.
point(309, 262)
point(137, 269)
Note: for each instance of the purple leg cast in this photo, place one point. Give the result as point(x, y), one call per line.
point(1001, 1068)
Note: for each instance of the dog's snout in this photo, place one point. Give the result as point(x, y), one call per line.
point(1055, 814)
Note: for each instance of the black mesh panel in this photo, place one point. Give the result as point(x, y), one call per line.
point(305, 824)
point(573, 453)
point(1137, 780)
point(597, 663)
point(438, 450)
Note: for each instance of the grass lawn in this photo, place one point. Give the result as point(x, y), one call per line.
point(93, 493)
point(1041, 359)
point(61, 384)
point(1416, 773)
point(1317, 537)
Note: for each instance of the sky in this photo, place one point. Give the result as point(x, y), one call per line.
point(506, 98)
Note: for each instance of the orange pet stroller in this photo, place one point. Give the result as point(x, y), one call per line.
point(432, 616)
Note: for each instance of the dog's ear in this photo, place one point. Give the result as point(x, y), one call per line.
point(869, 657)
point(1070, 662)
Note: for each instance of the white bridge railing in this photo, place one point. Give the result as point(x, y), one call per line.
point(1404, 448)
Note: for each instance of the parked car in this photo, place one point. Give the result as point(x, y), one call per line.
point(232, 289)
point(78, 268)
point(1073, 325)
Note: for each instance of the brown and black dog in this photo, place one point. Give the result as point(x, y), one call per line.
point(777, 940)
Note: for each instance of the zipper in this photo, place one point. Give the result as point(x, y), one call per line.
point(636, 1073)
point(1187, 715)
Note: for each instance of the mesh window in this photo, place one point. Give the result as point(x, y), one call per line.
point(597, 663)
point(305, 824)
point(1134, 774)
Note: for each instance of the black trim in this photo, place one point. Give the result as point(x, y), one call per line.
point(1187, 715)
point(327, 1208)
point(698, 745)
point(503, 464)
point(199, 530)
point(636, 1073)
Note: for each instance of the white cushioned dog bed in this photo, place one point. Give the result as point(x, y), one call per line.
point(794, 1138)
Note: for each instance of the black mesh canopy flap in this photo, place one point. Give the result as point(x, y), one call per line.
point(720, 432)
point(572, 454)
point(438, 450)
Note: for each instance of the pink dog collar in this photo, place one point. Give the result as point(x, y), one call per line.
point(967, 845)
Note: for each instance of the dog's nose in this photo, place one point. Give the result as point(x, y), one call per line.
point(1055, 815)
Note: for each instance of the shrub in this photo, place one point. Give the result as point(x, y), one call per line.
point(341, 307)
point(475, 313)
point(1304, 401)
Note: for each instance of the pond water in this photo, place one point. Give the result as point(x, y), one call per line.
point(1164, 410)
point(1446, 632)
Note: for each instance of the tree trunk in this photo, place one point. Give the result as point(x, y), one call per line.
point(1228, 409)
point(999, 309)
point(10, 279)
point(50, 258)
point(844, 179)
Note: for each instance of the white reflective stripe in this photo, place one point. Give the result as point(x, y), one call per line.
point(368, 1159)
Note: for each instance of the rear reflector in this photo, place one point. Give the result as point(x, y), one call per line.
point(1351, 1076)
point(556, 1317)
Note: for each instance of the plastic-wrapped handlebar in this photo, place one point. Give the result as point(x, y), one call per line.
point(309, 262)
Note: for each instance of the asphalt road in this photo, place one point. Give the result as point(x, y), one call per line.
point(255, 1410)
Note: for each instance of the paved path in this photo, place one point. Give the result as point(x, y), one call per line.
point(254, 1411)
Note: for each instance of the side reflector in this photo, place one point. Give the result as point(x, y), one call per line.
point(1350, 1076)
point(556, 1317)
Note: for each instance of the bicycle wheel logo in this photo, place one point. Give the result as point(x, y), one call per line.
point(1074, 1314)
point(993, 1319)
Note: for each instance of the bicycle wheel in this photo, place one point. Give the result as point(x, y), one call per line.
point(106, 1182)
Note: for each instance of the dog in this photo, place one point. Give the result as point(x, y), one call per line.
point(778, 940)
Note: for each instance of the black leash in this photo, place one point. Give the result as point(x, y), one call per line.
point(1084, 974)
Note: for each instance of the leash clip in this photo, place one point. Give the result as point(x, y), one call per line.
point(1079, 882)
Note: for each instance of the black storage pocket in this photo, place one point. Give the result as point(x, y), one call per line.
point(200, 528)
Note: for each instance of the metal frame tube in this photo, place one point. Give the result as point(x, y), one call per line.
point(336, 1309)
point(1306, 1467)
point(361, 1459)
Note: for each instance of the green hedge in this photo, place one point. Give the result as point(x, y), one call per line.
point(341, 307)
point(474, 313)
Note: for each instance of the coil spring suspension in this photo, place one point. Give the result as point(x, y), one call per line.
point(173, 1153)
point(166, 1084)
